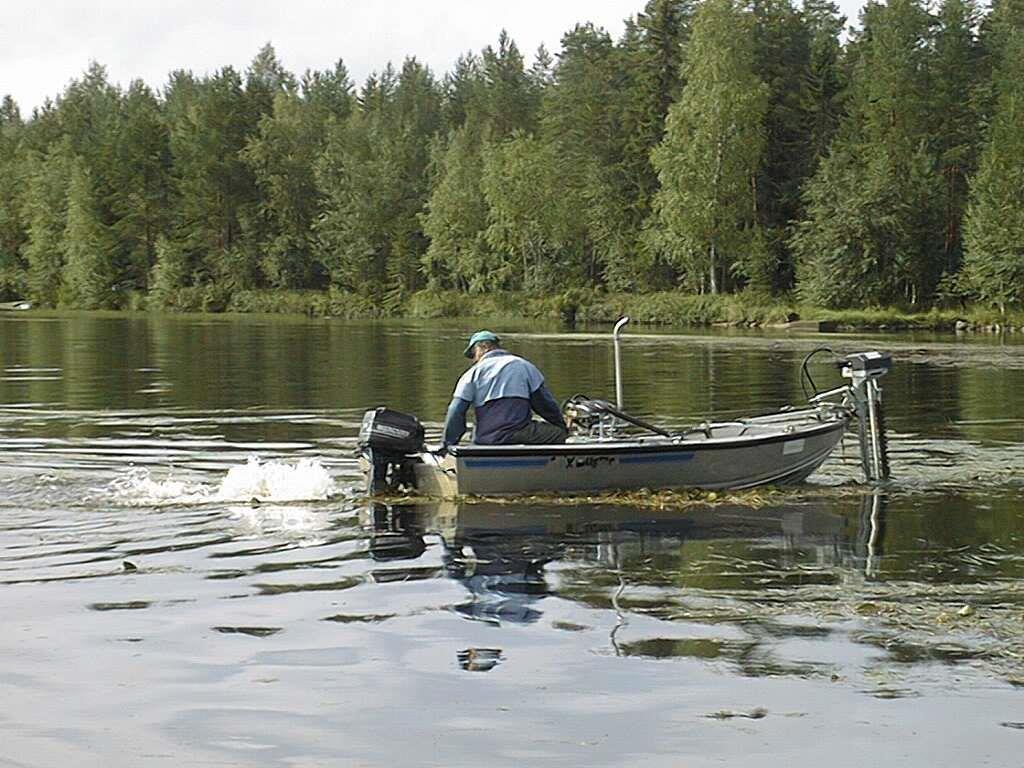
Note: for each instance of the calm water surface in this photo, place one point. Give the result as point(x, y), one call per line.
point(155, 613)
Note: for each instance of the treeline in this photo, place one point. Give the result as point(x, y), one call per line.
point(718, 146)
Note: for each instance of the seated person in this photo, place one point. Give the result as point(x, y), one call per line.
point(504, 390)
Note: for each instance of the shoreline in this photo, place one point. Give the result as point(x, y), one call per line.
point(666, 309)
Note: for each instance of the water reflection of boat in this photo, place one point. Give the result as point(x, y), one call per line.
point(504, 575)
point(499, 552)
point(611, 450)
point(458, 521)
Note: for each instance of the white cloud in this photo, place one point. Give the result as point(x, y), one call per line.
point(46, 43)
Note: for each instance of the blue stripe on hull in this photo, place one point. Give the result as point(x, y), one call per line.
point(505, 463)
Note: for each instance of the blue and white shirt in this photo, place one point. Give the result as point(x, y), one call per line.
point(503, 389)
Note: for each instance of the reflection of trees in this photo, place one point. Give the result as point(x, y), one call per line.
point(92, 361)
point(101, 355)
point(219, 362)
point(30, 344)
point(991, 404)
point(943, 539)
point(923, 398)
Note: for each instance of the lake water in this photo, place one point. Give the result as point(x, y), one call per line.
point(154, 613)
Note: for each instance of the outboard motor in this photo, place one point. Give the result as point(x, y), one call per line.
point(864, 369)
point(388, 440)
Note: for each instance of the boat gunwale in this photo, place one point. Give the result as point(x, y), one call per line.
point(625, 446)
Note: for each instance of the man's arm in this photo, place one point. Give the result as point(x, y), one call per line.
point(544, 403)
point(455, 421)
point(462, 398)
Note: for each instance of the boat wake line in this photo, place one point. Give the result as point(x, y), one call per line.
point(264, 481)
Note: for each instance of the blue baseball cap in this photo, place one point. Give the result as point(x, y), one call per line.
point(478, 337)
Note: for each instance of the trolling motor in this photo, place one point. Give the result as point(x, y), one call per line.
point(863, 396)
point(388, 442)
point(864, 369)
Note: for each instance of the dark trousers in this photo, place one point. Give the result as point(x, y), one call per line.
point(537, 433)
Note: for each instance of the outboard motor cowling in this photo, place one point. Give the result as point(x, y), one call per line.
point(391, 432)
point(387, 440)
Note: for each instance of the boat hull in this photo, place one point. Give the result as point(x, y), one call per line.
point(776, 454)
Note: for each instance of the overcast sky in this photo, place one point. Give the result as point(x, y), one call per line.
point(46, 43)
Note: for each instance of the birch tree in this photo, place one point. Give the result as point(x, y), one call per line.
point(705, 213)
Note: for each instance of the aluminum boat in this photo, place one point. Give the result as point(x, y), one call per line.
point(610, 450)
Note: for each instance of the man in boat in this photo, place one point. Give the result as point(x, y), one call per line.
point(504, 390)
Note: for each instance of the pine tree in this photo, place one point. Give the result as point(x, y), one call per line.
point(208, 129)
point(824, 85)
point(653, 50)
point(869, 230)
point(282, 156)
point(541, 73)
point(140, 198)
point(782, 49)
point(86, 245)
point(265, 78)
point(12, 187)
point(46, 214)
point(711, 151)
point(462, 90)
point(957, 139)
point(994, 227)
point(1005, 17)
point(373, 177)
point(581, 120)
point(10, 114)
point(87, 112)
point(510, 99)
point(328, 93)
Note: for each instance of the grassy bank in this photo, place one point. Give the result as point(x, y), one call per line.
point(737, 310)
point(667, 309)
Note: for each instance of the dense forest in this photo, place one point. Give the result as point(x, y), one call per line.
point(718, 147)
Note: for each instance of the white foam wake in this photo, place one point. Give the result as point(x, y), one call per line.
point(306, 480)
point(138, 488)
point(270, 481)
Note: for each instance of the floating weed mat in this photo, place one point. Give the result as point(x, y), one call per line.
point(981, 625)
point(644, 499)
point(755, 498)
